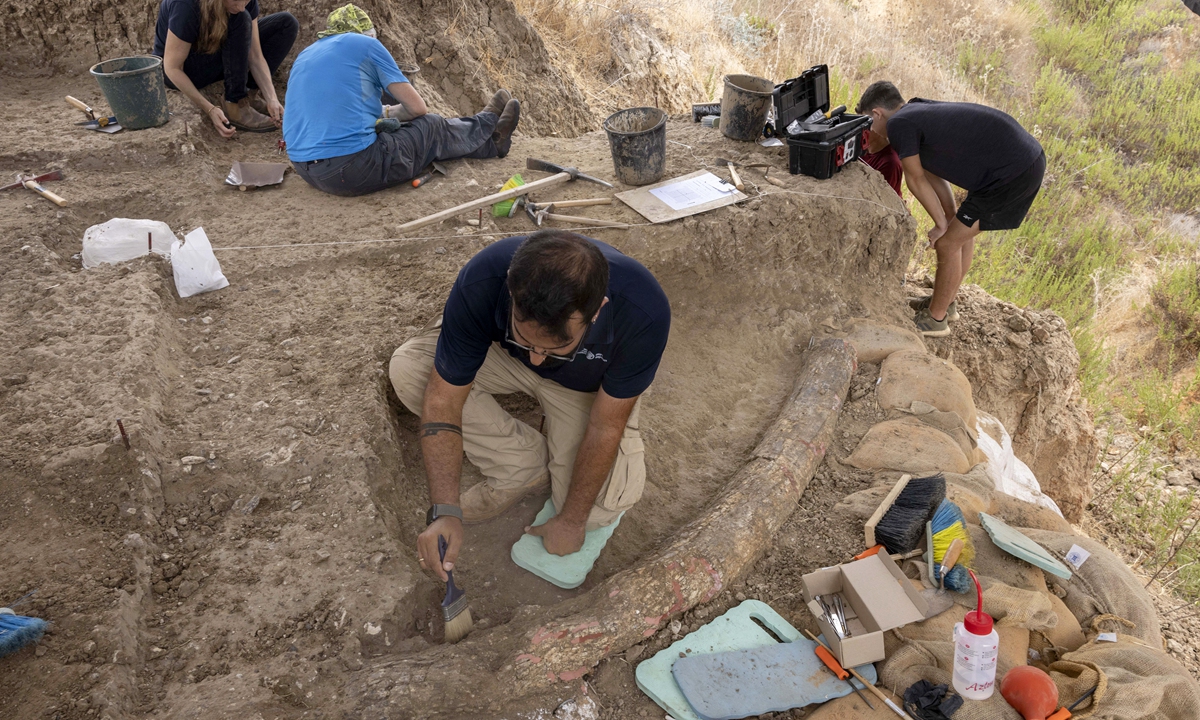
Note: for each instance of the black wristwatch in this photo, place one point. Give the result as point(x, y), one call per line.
point(440, 511)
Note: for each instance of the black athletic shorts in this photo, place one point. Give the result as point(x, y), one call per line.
point(1004, 208)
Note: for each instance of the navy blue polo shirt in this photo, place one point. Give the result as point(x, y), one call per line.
point(620, 353)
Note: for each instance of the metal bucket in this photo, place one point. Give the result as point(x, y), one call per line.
point(134, 89)
point(744, 106)
point(638, 140)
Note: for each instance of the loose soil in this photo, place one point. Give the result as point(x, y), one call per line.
point(260, 574)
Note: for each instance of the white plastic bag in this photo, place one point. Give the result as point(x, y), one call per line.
point(122, 239)
point(1010, 475)
point(196, 268)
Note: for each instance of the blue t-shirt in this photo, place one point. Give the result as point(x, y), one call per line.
point(620, 353)
point(333, 96)
point(182, 17)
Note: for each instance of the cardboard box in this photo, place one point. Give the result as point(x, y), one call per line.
point(878, 597)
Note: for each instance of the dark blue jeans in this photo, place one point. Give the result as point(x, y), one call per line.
point(397, 157)
point(276, 33)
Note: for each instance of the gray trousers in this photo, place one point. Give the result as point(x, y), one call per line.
point(397, 157)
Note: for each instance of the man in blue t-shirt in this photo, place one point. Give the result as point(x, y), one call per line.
point(980, 149)
point(340, 137)
point(568, 320)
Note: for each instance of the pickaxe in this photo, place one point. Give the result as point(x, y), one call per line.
point(34, 184)
point(561, 175)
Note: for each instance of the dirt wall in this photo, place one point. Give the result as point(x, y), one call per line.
point(465, 49)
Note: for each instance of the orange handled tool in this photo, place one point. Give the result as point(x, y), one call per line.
point(1064, 713)
point(839, 671)
point(418, 182)
point(878, 693)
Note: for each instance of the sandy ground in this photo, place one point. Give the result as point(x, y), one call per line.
point(258, 581)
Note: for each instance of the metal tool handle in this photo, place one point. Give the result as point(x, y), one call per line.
point(876, 691)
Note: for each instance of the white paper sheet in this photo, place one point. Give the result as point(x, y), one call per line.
point(693, 191)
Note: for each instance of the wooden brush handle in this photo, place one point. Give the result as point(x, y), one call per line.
point(951, 556)
point(582, 203)
point(45, 193)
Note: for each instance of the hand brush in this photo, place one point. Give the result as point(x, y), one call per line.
point(899, 521)
point(455, 612)
point(948, 525)
point(17, 631)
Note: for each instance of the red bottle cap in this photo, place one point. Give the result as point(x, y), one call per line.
point(977, 622)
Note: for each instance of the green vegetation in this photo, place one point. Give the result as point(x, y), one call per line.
point(1119, 121)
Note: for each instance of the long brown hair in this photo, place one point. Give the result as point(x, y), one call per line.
point(214, 24)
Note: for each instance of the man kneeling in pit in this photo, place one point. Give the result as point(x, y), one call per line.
point(558, 316)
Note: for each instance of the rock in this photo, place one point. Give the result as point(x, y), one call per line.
point(1180, 478)
point(1174, 648)
point(219, 503)
point(1040, 334)
point(633, 653)
point(874, 341)
point(187, 588)
point(321, 557)
point(295, 505)
point(189, 460)
point(161, 587)
point(170, 570)
point(11, 380)
point(251, 504)
point(1018, 323)
point(1021, 341)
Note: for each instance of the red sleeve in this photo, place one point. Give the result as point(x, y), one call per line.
point(887, 162)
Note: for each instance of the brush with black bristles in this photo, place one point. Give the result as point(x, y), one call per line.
point(899, 521)
point(455, 612)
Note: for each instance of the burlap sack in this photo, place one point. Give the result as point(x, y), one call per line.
point(1136, 682)
point(875, 341)
point(909, 376)
point(908, 445)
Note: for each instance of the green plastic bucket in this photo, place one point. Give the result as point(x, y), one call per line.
point(134, 89)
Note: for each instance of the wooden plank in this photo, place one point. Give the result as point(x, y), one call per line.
point(484, 201)
point(657, 211)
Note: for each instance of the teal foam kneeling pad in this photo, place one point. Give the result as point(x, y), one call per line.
point(565, 571)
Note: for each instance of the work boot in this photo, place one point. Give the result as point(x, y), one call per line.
point(498, 101)
point(244, 117)
point(483, 502)
point(258, 102)
point(505, 127)
point(930, 327)
point(922, 303)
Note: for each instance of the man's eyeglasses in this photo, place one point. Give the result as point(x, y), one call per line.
point(509, 331)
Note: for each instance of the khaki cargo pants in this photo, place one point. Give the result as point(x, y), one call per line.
point(510, 453)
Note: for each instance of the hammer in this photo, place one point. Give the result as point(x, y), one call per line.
point(537, 213)
point(33, 183)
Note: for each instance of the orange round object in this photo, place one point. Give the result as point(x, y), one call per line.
point(1030, 692)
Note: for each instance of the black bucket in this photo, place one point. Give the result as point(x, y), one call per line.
point(744, 106)
point(134, 89)
point(638, 138)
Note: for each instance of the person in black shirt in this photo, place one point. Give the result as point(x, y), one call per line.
point(203, 41)
point(572, 322)
point(980, 149)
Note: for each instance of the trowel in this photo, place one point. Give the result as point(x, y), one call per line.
point(101, 124)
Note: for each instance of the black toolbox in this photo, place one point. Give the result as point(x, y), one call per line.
point(819, 149)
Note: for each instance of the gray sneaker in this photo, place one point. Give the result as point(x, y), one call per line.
point(930, 327)
point(922, 303)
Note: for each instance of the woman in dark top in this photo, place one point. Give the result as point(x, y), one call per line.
point(203, 41)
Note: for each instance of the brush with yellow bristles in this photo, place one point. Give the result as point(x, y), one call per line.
point(455, 612)
point(947, 526)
